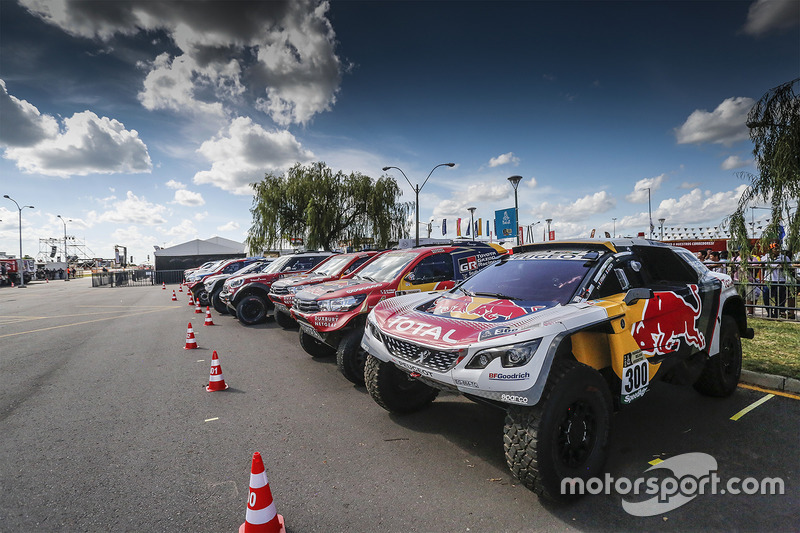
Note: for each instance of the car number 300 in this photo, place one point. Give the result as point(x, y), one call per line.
point(635, 377)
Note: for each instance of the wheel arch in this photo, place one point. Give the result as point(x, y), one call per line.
point(735, 308)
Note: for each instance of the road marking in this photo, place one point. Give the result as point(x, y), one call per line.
point(78, 323)
point(752, 406)
point(770, 391)
point(210, 419)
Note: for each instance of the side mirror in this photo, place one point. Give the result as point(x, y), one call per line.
point(639, 293)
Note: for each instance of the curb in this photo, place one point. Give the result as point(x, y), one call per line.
point(771, 381)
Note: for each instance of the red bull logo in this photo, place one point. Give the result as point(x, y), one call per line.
point(472, 308)
point(667, 321)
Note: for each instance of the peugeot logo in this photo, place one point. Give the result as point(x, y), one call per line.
point(422, 356)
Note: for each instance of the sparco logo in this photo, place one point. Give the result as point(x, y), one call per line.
point(517, 376)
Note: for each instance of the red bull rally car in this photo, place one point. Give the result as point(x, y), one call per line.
point(559, 335)
point(332, 315)
point(282, 292)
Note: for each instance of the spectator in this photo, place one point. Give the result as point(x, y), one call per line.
point(775, 281)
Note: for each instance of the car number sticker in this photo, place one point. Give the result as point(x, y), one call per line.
point(635, 376)
point(311, 331)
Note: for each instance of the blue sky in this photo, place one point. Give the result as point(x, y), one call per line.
point(143, 122)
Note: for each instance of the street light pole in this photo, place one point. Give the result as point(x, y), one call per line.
point(472, 222)
point(19, 270)
point(418, 188)
point(66, 257)
point(661, 223)
point(515, 183)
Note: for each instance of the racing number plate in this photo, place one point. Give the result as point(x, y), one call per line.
point(635, 376)
point(310, 330)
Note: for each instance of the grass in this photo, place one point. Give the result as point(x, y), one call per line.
point(775, 348)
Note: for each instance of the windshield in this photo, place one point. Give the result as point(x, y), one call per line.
point(277, 265)
point(333, 266)
point(541, 281)
point(258, 266)
point(386, 267)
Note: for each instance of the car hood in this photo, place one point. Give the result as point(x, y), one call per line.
point(339, 288)
point(448, 320)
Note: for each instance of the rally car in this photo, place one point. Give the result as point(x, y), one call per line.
point(332, 315)
point(282, 292)
point(559, 335)
point(221, 271)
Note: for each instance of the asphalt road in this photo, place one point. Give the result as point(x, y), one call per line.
point(106, 426)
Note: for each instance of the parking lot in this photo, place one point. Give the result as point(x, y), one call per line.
point(107, 426)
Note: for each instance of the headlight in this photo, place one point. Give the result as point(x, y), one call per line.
point(341, 304)
point(236, 283)
point(292, 290)
point(510, 356)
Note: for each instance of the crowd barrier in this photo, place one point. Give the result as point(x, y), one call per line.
point(136, 278)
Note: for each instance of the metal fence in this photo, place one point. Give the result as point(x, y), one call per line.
point(769, 288)
point(136, 278)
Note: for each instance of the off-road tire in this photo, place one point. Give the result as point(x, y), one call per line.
point(350, 358)
point(565, 435)
point(394, 390)
point(202, 296)
point(314, 347)
point(285, 320)
point(251, 310)
point(217, 303)
point(721, 373)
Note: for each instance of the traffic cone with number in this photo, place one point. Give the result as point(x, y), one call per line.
point(191, 300)
point(197, 308)
point(208, 321)
point(174, 296)
point(261, 515)
point(191, 343)
point(163, 285)
point(215, 380)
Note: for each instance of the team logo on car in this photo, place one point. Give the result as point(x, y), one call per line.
point(666, 319)
point(421, 356)
point(474, 308)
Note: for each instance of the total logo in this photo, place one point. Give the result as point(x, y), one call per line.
point(420, 329)
point(516, 376)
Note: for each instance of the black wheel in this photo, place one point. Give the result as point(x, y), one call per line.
point(394, 390)
point(314, 347)
point(721, 373)
point(251, 310)
point(217, 303)
point(350, 358)
point(201, 296)
point(565, 435)
point(285, 320)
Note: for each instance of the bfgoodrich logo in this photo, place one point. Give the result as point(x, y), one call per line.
point(693, 474)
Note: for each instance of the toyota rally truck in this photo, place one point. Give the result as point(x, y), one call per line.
point(282, 292)
point(332, 315)
point(560, 334)
point(247, 296)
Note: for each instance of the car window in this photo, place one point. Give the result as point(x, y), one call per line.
point(625, 275)
point(664, 267)
point(437, 267)
point(356, 264)
point(386, 267)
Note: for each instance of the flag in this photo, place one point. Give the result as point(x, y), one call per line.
point(458, 227)
point(468, 225)
point(480, 227)
point(444, 226)
point(488, 233)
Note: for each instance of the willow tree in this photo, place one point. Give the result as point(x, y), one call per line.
point(774, 123)
point(323, 208)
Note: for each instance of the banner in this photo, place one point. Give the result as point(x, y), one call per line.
point(458, 227)
point(480, 227)
point(468, 225)
point(505, 222)
point(444, 226)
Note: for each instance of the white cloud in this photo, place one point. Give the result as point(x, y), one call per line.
point(486, 191)
point(201, 216)
point(580, 209)
point(734, 161)
point(172, 184)
point(22, 124)
point(504, 159)
point(639, 194)
point(88, 145)
point(689, 186)
point(134, 210)
point(725, 125)
point(230, 226)
point(188, 198)
point(283, 51)
point(243, 152)
point(766, 15)
point(699, 206)
point(184, 231)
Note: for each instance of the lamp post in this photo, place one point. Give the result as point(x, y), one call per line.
point(418, 188)
point(20, 269)
point(66, 256)
point(515, 183)
point(472, 222)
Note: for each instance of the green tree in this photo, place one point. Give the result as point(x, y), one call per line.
point(774, 123)
point(323, 208)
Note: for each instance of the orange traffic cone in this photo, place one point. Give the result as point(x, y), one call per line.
point(208, 321)
point(215, 380)
point(197, 308)
point(174, 296)
point(163, 285)
point(191, 300)
point(180, 287)
point(261, 515)
point(191, 343)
